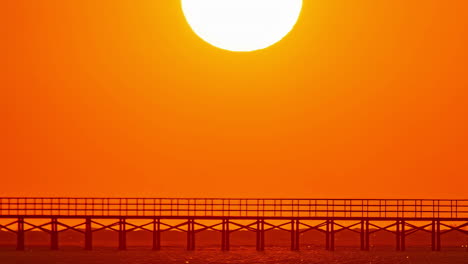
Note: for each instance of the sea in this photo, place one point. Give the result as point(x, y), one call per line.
point(237, 255)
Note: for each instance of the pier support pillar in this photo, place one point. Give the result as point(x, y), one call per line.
point(225, 235)
point(398, 240)
point(88, 235)
point(433, 235)
point(438, 236)
point(367, 235)
point(20, 234)
point(122, 234)
point(362, 233)
point(54, 234)
point(156, 234)
point(332, 235)
point(403, 236)
point(228, 243)
point(327, 235)
point(298, 233)
point(193, 234)
point(293, 235)
point(260, 234)
point(190, 234)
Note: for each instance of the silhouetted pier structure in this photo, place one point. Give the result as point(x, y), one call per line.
point(401, 217)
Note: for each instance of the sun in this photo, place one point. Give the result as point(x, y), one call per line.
point(242, 25)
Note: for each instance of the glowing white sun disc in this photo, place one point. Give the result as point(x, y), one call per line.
point(242, 25)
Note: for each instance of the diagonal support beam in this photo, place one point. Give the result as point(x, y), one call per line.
point(347, 228)
point(316, 227)
point(74, 228)
point(103, 227)
point(141, 227)
point(455, 228)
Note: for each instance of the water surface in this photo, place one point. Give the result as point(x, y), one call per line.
point(239, 255)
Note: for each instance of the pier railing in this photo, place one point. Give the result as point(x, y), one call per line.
point(234, 208)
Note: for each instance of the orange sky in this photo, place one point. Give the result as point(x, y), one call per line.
point(362, 99)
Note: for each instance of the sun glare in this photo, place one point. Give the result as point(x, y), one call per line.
point(242, 25)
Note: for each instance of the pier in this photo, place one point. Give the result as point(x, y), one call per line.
point(401, 217)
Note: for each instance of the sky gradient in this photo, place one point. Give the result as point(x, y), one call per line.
point(363, 99)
